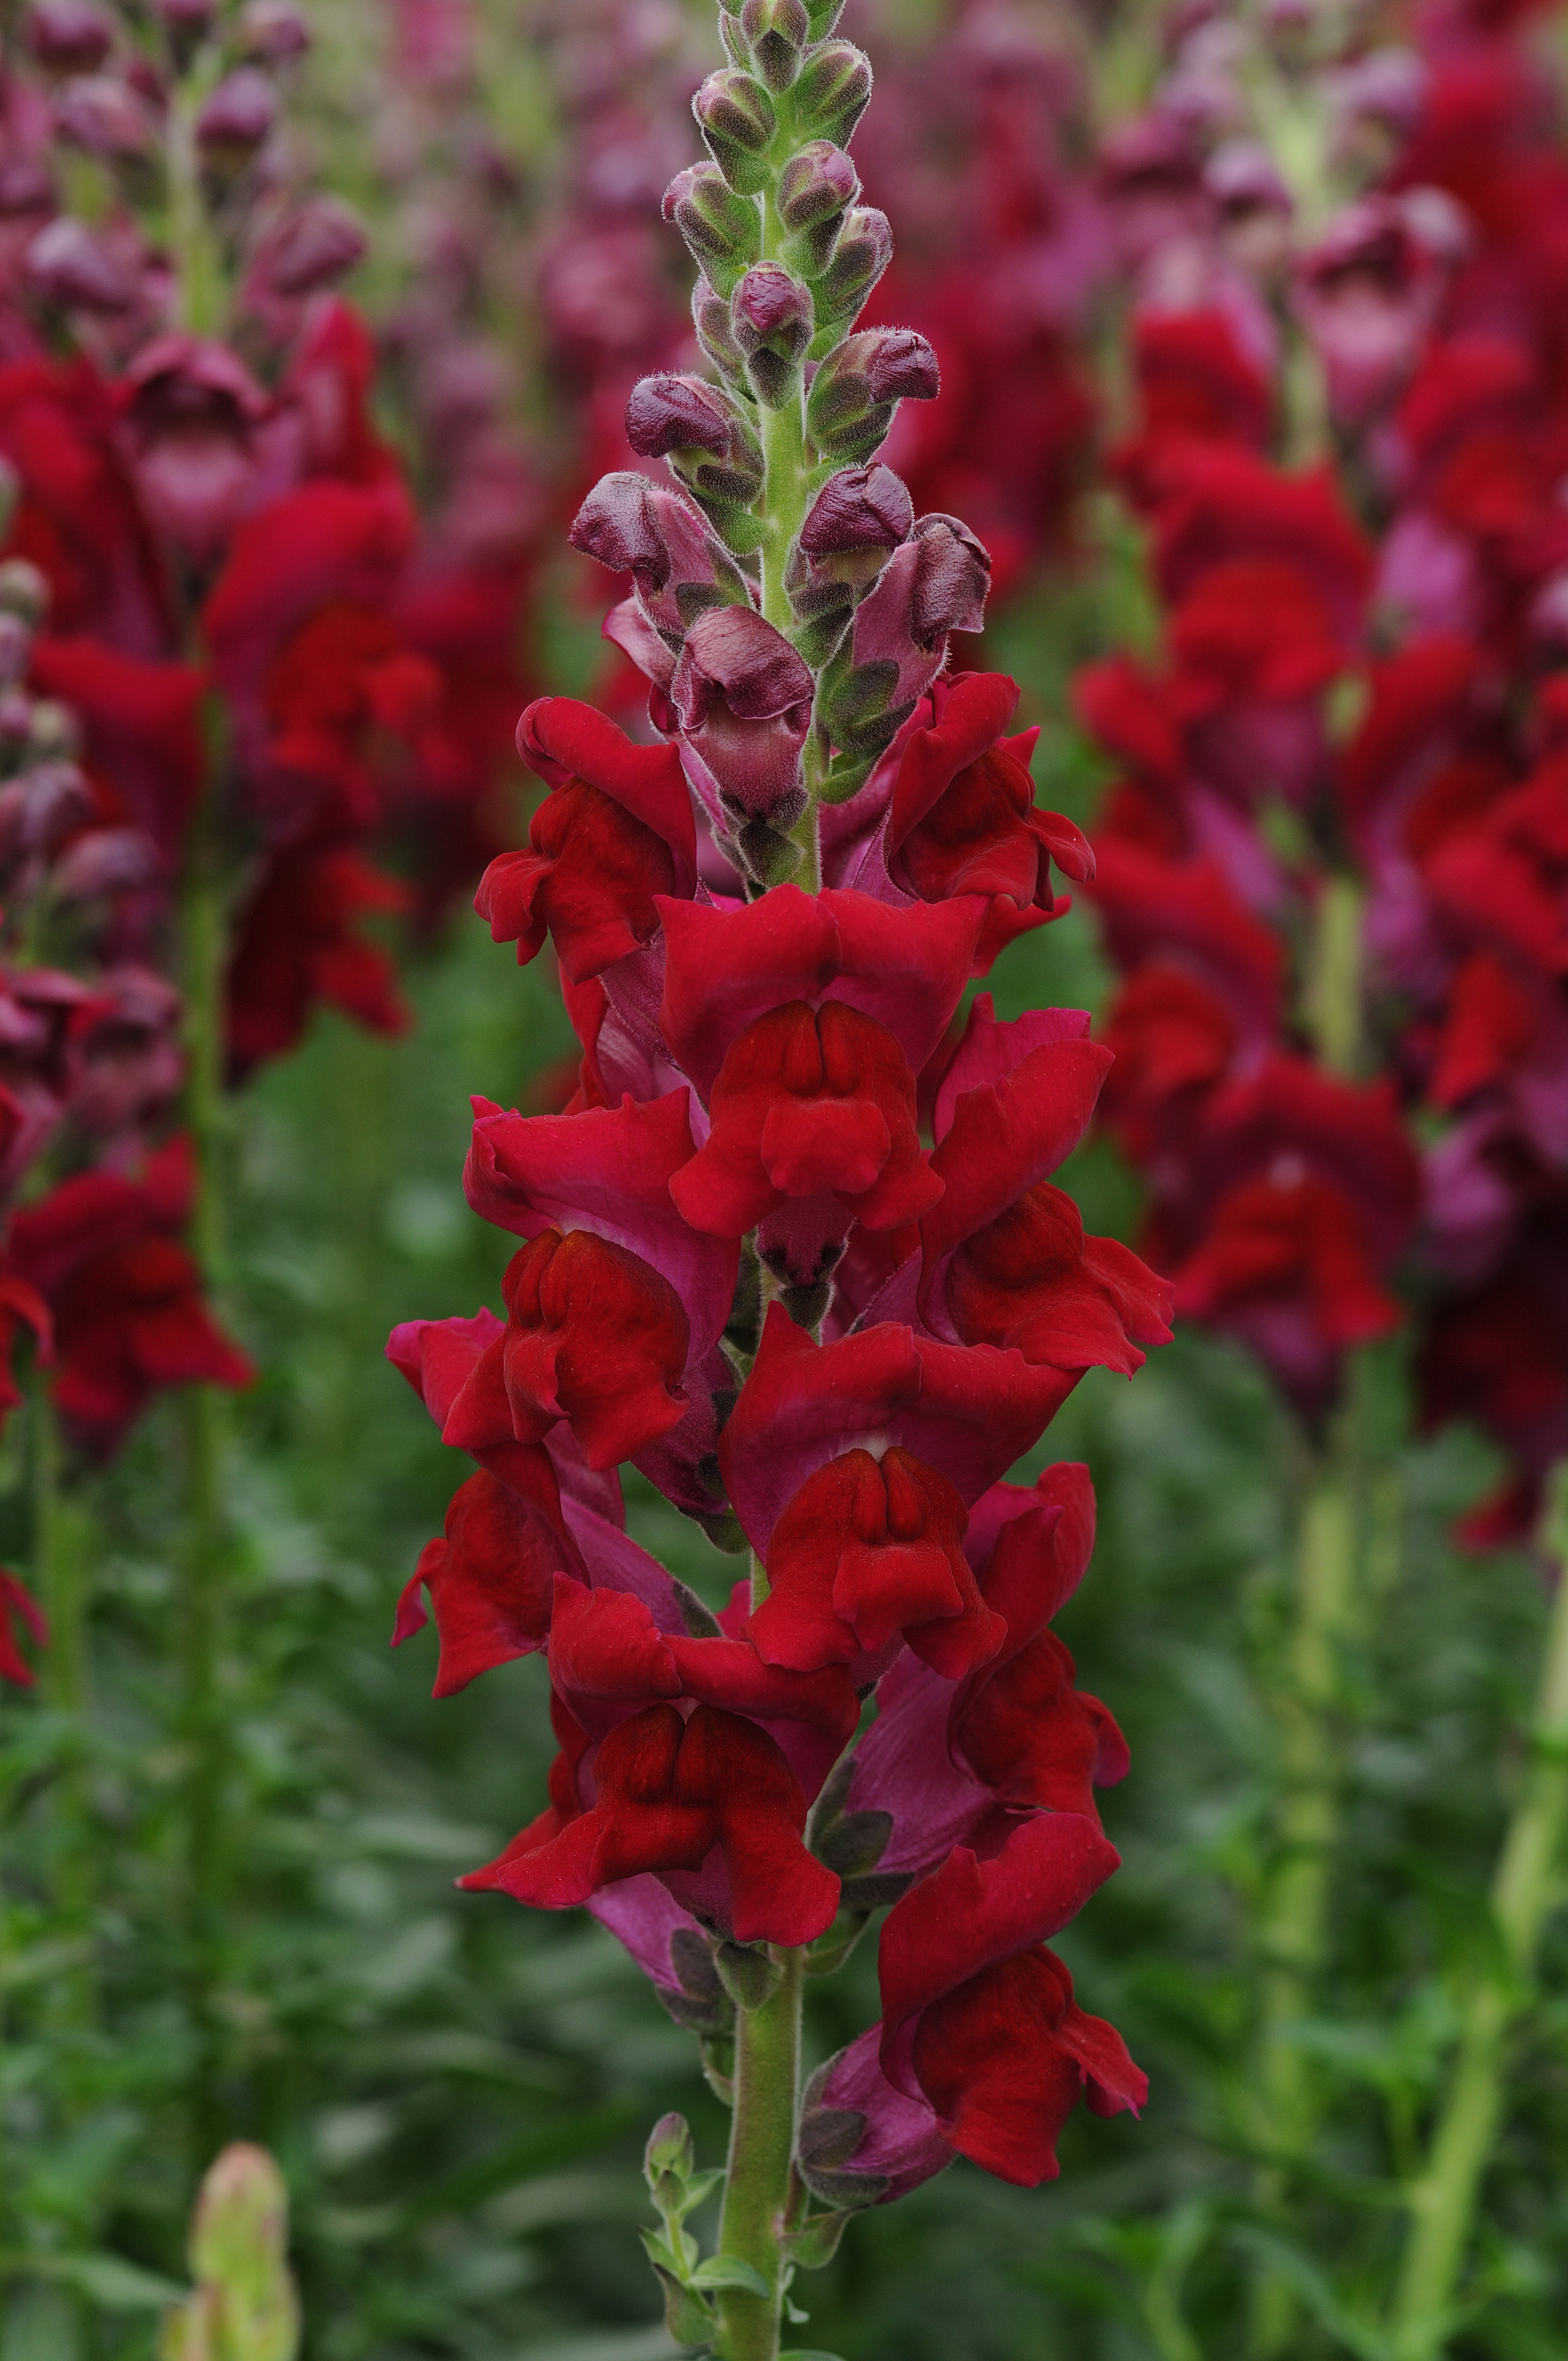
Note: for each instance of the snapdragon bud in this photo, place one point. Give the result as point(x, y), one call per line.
point(854, 524)
point(723, 231)
point(670, 2149)
point(772, 318)
point(701, 431)
point(239, 115)
point(833, 92)
point(186, 23)
point(69, 36)
point(272, 30)
point(104, 116)
point(319, 243)
point(710, 317)
point(816, 189)
point(738, 121)
point(856, 390)
point(647, 530)
point(863, 250)
point(70, 265)
point(776, 33)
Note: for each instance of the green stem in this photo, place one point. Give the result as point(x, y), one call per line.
point(63, 1546)
point(1442, 2204)
point(202, 1562)
point(761, 2145)
point(1292, 1933)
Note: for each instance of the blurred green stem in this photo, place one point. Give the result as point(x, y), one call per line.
point(762, 2146)
point(1293, 1920)
point(1443, 2202)
point(202, 1557)
point(62, 1541)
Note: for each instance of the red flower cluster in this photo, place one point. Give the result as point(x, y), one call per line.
point(1332, 716)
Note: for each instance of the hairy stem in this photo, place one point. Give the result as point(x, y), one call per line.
point(761, 2144)
point(1292, 1931)
point(1443, 2202)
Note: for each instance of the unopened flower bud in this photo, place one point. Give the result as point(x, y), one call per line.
point(701, 431)
point(816, 189)
point(951, 580)
point(272, 30)
point(41, 809)
point(319, 243)
point(670, 2149)
point(239, 114)
point(647, 530)
point(186, 23)
point(68, 264)
point(723, 230)
point(738, 120)
point(771, 317)
point(103, 116)
point(833, 92)
point(776, 33)
point(245, 2305)
point(855, 392)
point(862, 253)
point(69, 36)
point(23, 591)
point(710, 317)
point(858, 509)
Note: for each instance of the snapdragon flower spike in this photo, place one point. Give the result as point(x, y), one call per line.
point(793, 1249)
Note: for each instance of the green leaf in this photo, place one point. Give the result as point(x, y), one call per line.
point(729, 2271)
point(105, 2280)
point(664, 2257)
point(815, 2242)
point(700, 2186)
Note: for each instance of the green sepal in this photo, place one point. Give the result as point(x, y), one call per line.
point(846, 780)
point(689, 2320)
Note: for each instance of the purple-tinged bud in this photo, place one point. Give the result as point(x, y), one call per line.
point(69, 36)
point(68, 264)
point(104, 116)
point(742, 700)
point(856, 390)
point(40, 809)
point(856, 522)
point(898, 641)
point(738, 121)
point(319, 244)
point(647, 530)
point(107, 860)
point(240, 112)
point(771, 317)
point(833, 92)
point(860, 509)
point(710, 317)
point(862, 253)
point(818, 181)
point(274, 30)
point(186, 23)
point(723, 230)
point(701, 431)
point(776, 33)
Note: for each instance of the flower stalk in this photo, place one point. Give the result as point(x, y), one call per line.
point(1443, 2201)
point(762, 2150)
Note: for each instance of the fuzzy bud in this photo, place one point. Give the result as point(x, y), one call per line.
point(670, 2149)
point(856, 522)
point(862, 253)
point(68, 264)
point(738, 121)
point(319, 243)
point(186, 23)
point(742, 696)
point(272, 32)
point(240, 112)
point(700, 431)
point(245, 2307)
point(722, 230)
point(104, 116)
point(710, 317)
point(833, 92)
point(776, 33)
point(771, 317)
point(648, 530)
point(855, 392)
point(816, 189)
point(69, 36)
